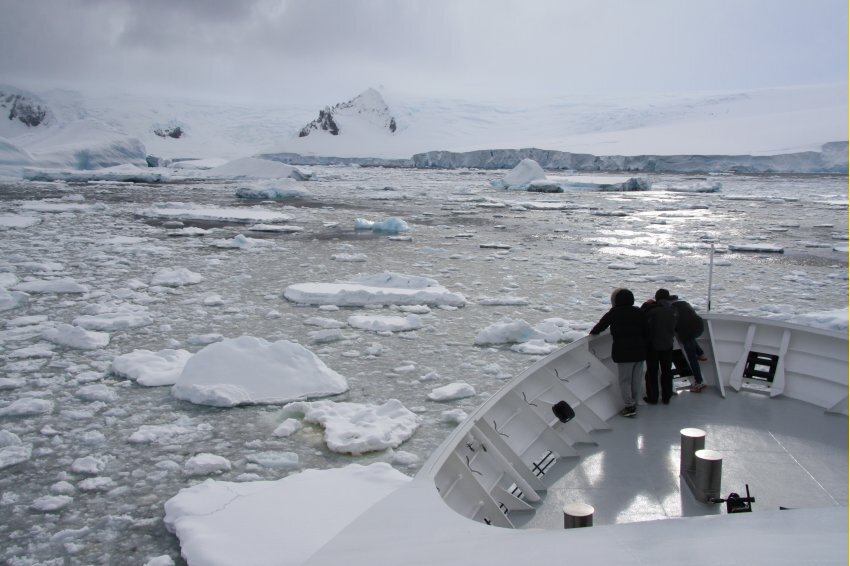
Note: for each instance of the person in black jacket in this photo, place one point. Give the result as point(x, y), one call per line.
point(689, 327)
point(661, 321)
point(628, 330)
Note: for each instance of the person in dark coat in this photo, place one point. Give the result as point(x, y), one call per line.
point(628, 330)
point(661, 325)
point(689, 326)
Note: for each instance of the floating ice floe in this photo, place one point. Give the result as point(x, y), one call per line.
point(75, 337)
point(507, 300)
point(378, 323)
point(185, 211)
point(34, 351)
point(763, 248)
point(830, 320)
point(57, 206)
point(181, 431)
point(326, 336)
point(452, 392)
point(604, 183)
point(205, 464)
point(66, 285)
point(51, 503)
point(248, 370)
point(176, 277)
point(381, 289)
point(697, 187)
point(96, 392)
point(12, 450)
point(551, 330)
point(507, 332)
point(254, 168)
point(324, 322)
point(126, 173)
point(111, 317)
point(7, 280)
point(216, 521)
point(535, 347)
point(8, 221)
point(272, 190)
point(287, 428)
point(90, 465)
point(350, 257)
point(391, 225)
point(242, 242)
point(204, 339)
point(276, 228)
point(622, 265)
point(275, 460)
point(12, 299)
point(151, 368)
point(189, 231)
point(27, 407)
point(354, 428)
point(454, 416)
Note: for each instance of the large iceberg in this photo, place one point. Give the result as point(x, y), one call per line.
point(521, 176)
point(253, 168)
point(249, 370)
point(216, 521)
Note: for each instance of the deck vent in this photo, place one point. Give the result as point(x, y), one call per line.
point(563, 411)
point(761, 366)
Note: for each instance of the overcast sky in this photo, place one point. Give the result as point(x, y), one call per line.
point(304, 50)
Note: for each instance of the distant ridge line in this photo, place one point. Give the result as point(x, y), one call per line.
point(833, 159)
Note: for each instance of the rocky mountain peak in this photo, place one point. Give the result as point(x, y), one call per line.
point(26, 109)
point(368, 106)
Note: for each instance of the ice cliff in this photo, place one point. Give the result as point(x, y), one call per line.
point(831, 159)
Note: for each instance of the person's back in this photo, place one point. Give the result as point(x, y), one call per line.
point(628, 348)
point(628, 328)
point(662, 319)
point(689, 323)
point(661, 323)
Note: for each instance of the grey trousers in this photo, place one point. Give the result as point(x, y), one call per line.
point(631, 376)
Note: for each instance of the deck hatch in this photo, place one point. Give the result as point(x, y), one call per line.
point(760, 366)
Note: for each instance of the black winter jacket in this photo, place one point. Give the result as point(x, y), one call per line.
point(689, 324)
point(661, 322)
point(628, 328)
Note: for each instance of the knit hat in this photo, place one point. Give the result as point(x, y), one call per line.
point(662, 294)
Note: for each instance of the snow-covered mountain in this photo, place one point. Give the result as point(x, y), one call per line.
point(101, 128)
point(22, 109)
point(365, 111)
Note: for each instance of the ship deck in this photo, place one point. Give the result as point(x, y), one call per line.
point(791, 454)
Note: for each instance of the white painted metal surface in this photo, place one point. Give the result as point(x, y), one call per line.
point(786, 440)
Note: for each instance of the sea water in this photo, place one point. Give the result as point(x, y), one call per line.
point(561, 253)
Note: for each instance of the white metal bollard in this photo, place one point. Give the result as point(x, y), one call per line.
point(692, 439)
point(578, 515)
point(709, 469)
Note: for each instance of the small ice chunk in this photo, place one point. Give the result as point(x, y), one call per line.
point(205, 464)
point(51, 503)
point(27, 407)
point(275, 460)
point(176, 277)
point(452, 392)
point(96, 392)
point(151, 368)
point(287, 428)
